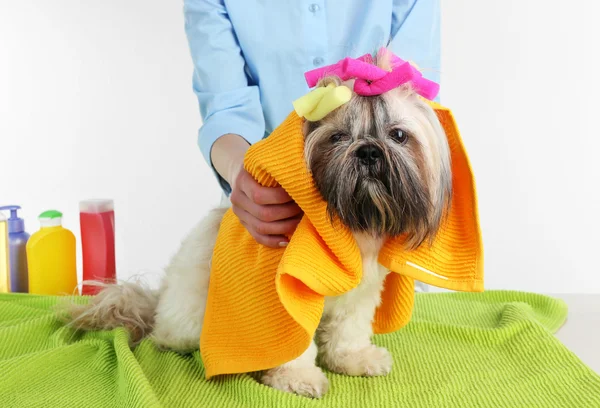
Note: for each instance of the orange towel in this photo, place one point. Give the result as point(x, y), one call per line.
point(265, 304)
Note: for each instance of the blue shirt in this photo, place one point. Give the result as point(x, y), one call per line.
point(250, 56)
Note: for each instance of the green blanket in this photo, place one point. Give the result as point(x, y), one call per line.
point(493, 349)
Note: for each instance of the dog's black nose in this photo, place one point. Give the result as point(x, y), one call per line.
point(368, 154)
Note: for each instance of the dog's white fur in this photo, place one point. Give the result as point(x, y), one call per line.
point(344, 338)
point(174, 314)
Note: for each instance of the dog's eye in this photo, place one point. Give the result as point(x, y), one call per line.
point(338, 137)
point(399, 136)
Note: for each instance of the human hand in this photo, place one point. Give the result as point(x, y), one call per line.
point(268, 213)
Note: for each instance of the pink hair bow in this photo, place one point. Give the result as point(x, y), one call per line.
point(371, 80)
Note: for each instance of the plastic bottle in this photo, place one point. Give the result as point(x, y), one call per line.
point(51, 257)
point(4, 284)
point(17, 254)
point(97, 220)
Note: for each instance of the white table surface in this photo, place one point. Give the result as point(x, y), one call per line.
point(581, 332)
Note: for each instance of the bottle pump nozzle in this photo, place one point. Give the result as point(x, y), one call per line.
point(15, 224)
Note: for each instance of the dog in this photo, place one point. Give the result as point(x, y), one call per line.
point(382, 165)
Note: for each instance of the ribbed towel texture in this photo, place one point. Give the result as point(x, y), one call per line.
point(492, 349)
point(268, 302)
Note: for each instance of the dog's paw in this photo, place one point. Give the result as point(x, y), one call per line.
point(305, 381)
point(369, 361)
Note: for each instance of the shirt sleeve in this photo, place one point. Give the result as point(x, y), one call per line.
point(228, 102)
point(416, 34)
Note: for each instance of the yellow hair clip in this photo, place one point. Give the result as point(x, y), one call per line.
point(319, 102)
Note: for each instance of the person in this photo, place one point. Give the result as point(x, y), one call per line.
point(249, 60)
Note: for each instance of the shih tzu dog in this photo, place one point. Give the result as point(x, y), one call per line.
point(382, 165)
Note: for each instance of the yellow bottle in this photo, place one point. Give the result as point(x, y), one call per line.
point(51, 258)
point(3, 255)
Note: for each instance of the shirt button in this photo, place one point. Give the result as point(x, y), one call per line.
point(318, 61)
point(313, 8)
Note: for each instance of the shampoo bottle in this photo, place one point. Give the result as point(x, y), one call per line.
point(51, 257)
point(97, 220)
point(17, 254)
point(3, 255)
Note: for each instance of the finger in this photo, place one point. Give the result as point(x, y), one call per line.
point(268, 213)
point(272, 241)
point(262, 195)
point(258, 227)
point(282, 227)
point(270, 195)
point(237, 197)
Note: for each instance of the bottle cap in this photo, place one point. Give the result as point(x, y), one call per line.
point(15, 224)
point(51, 218)
point(96, 206)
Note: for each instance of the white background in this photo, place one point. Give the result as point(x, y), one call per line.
point(96, 101)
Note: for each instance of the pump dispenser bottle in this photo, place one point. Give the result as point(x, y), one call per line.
point(17, 254)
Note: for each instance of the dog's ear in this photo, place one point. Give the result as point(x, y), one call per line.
point(305, 127)
point(308, 127)
point(442, 192)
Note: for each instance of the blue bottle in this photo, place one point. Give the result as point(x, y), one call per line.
point(17, 255)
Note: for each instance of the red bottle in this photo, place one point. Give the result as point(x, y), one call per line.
point(97, 220)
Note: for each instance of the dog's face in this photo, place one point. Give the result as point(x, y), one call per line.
point(382, 164)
